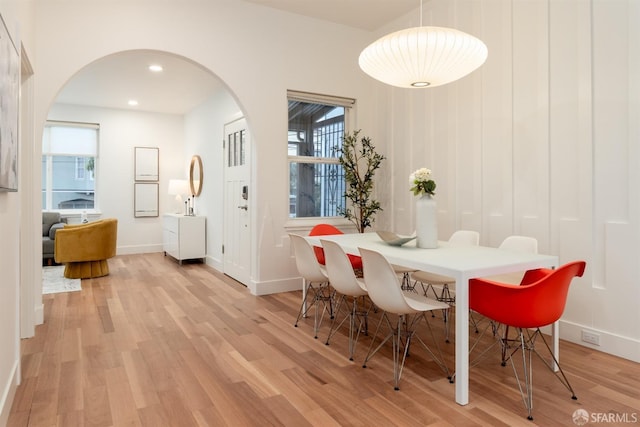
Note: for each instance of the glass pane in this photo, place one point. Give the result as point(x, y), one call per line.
point(315, 130)
point(242, 146)
point(315, 189)
point(233, 150)
point(236, 148)
point(44, 183)
point(68, 192)
point(80, 167)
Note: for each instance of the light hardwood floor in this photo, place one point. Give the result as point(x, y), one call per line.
point(158, 344)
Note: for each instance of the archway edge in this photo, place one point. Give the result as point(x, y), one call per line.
point(186, 78)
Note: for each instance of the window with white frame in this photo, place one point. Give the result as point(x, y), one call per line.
point(316, 128)
point(69, 152)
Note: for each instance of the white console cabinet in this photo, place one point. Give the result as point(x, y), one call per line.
point(183, 237)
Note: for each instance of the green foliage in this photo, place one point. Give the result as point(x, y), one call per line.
point(360, 162)
point(422, 182)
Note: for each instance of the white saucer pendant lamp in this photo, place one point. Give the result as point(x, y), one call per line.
point(423, 57)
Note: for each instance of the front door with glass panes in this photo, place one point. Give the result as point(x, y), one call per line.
point(237, 202)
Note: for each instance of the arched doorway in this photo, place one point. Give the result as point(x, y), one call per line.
point(181, 110)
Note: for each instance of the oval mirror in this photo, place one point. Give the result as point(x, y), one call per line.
point(195, 175)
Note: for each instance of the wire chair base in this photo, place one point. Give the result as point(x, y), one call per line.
point(317, 296)
point(358, 316)
point(401, 336)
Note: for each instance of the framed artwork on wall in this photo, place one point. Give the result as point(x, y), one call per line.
point(145, 199)
point(146, 163)
point(9, 98)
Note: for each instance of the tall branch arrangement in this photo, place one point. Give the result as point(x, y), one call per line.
point(360, 162)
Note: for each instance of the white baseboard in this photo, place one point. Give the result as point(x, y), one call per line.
point(276, 286)
point(9, 392)
point(214, 263)
point(38, 312)
point(139, 249)
point(262, 288)
point(625, 347)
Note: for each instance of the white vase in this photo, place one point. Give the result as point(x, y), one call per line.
point(426, 222)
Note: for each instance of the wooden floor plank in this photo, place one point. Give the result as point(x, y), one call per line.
point(156, 343)
point(97, 408)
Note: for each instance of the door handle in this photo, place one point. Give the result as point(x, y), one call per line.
point(245, 207)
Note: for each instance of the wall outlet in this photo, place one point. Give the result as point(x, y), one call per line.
point(590, 337)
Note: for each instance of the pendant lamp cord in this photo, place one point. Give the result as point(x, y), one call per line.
point(421, 13)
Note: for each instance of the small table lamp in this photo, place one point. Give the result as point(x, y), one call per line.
point(178, 188)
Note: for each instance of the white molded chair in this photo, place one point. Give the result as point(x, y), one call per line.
point(520, 243)
point(384, 288)
point(517, 244)
point(351, 290)
point(442, 286)
point(316, 291)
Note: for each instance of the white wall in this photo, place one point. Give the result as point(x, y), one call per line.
point(204, 133)
point(15, 224)
point(10, 227)
point(120, 132)
point(543, 140)
point(257, 62)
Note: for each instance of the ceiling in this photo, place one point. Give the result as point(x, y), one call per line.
point(112, 81)
point(364, 14)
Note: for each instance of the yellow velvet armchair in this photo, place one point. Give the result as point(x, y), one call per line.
point(85, 248)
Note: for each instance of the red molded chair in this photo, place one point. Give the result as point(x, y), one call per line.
point(538, 301)
point(326, 230)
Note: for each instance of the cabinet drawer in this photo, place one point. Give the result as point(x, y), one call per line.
point(183, 237)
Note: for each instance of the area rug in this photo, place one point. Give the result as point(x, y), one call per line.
point(53, 281)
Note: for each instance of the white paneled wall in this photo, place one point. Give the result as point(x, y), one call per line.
point(615, 124)
point(571, 143)
point(543, 140)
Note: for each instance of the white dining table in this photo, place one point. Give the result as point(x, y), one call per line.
point(459, 262)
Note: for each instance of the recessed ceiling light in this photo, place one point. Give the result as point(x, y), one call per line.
point(155, 68)
point(133, 102)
